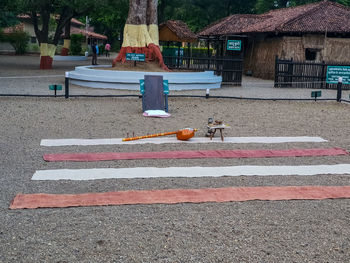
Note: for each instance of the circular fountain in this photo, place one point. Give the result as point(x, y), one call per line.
point(102, 77)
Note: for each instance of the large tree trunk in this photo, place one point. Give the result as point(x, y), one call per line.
point(66, 39)
point(141, 32)
point(47, 52)
point(46, 55)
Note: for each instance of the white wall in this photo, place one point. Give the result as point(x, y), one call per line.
point(6, 48)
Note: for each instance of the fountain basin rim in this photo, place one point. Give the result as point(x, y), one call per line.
point(117, 79)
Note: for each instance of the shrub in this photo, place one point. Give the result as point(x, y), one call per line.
point(2, 35)
point(196, 52)
point(58, 49)
point(34, 48)
point(86, 48)
point(75, 44)
point(116, 46)
point(19, 40)
point(101, 49)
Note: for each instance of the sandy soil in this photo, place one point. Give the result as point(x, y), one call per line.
point(255, 231)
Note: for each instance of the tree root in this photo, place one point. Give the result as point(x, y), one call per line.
point(152, 53)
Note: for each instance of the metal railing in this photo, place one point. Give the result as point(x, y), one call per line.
point(230, 69)
point(294, 74)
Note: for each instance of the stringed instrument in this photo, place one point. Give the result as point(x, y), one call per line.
point(183, 135)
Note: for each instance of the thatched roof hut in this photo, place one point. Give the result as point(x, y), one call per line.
point(177, 31)
point(314, 32)
point(319, 17)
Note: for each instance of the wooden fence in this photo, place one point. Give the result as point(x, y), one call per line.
point(230, 69)
point(293, 74)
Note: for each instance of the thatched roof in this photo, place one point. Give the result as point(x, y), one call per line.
point(317, 17)
point(176, 30)
point(233, 24)
point(18, 27)
point(75, 30)
point(73, 21)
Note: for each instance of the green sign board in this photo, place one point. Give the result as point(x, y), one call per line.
point(142, 86)
point(316, 94)
point(55, 87)
point(135, 57)
point(336, 72)
point(165, 86)
point(235, 45)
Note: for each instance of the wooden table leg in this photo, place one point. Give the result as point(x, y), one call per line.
point(212, 134)
point(222, 135)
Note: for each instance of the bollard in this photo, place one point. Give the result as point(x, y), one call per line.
point(66, 85)
point(55, 88)
point(207, 94)
point(339, 88)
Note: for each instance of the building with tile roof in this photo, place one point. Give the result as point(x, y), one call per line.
point(314, 32)
point(77, 27)
point(177, 31)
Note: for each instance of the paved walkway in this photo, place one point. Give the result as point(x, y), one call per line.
point(21, 75)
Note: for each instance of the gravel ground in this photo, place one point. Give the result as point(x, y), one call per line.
point(254, 231)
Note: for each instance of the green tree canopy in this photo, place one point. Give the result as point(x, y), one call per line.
point(263, 6)
point(7, 18)
point(200, 13)
point(40, 12)
point(110, 19)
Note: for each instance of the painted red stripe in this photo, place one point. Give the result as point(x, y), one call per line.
point(109, 156)
point(172, 196)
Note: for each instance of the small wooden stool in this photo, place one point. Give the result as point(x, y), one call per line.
point(220, 127)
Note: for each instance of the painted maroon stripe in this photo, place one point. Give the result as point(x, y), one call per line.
point(172, 196)
point(109, 156)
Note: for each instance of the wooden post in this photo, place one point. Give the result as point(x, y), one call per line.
point(339, 89)
point(323, 77)
point(251, 55)
point(66, 85)
point(290, 72)
point(178, 55)
point(188, 54)
point(208, 52)
point(276, 72)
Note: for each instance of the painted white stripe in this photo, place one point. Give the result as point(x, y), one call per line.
point(161, 140)
point(153, 172)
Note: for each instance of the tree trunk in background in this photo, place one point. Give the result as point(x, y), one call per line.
point(47, 52)
point(141, 32)
point(66, 40)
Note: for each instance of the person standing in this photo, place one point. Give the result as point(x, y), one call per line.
point(107, 48)
point(94, 53)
